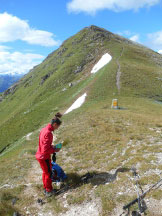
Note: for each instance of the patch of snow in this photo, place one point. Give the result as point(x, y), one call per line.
point(105, 59)
point(28, 136)
point(77, 103)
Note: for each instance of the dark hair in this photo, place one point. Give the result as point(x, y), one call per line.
point(56, 119)
point(58, 115)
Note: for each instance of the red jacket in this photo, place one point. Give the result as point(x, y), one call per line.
point(45, 148)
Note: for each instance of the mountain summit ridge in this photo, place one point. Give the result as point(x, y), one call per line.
point(98, 140)
point(66, 74)
point(95, 33)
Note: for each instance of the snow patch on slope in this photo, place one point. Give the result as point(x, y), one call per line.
point(77, 103)
point(28, 136)
point(105, 59)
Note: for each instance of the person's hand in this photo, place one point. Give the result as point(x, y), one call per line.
point(59, 145)
point(56, 149)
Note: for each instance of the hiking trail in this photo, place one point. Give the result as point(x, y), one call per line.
point(118, 75)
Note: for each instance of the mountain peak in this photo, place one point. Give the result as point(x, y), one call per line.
point(96, 28)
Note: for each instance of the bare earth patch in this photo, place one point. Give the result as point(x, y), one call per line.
point(92, 208)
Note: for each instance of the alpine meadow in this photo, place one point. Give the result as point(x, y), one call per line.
point(103, 143)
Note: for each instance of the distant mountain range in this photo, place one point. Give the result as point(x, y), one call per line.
point(7, 80)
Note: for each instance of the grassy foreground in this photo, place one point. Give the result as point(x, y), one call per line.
point(98, 140)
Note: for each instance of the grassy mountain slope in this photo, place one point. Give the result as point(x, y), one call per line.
point(98, 139)
point(40, 93)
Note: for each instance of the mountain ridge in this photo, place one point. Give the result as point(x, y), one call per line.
point(72, 63)
point(98, 140)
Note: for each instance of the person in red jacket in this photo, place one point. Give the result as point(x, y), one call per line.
point(45, 149)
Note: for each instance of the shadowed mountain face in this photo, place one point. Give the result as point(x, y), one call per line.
point(134, 71)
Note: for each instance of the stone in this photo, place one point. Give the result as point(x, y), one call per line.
point(78, 69)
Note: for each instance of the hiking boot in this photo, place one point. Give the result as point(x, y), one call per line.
point(50, 193)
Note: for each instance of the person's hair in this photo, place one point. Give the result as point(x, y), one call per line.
point(56, 119)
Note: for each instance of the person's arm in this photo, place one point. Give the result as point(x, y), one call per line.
point(48, 148)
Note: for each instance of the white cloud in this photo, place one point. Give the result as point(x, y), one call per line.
point(131, 35)
point(40, 37)
point(155, 40)
point(160, 51)
point(126, 33)
point(92, 6)
point(12, 28)
point(135, 38)
point(17, 62)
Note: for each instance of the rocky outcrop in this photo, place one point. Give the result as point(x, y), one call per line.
point(28, 81)
point(78, 69)
point(11, 90)
point(45, 77)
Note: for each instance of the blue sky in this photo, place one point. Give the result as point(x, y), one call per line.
point(31, 29)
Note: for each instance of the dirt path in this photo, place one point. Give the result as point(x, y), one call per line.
point(34, 191)
point(118, 75)
point(88, 208)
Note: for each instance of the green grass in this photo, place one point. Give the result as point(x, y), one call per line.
point(90, 140)
point(97, 138)
point(7, 199)
point(80, 195)
point(32, 104)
